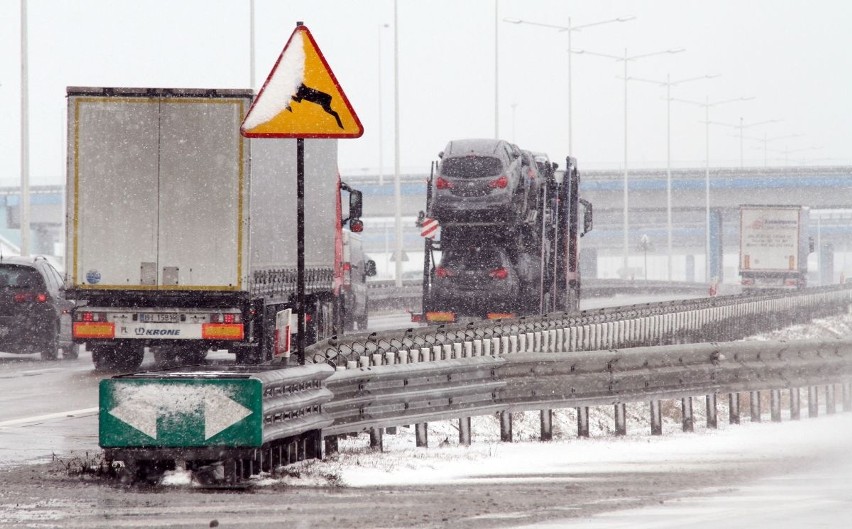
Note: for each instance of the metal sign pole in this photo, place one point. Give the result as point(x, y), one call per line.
point(300, 244)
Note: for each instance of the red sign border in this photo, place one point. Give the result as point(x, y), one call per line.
point(307, 32)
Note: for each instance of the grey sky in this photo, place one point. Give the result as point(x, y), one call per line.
point(791, 55)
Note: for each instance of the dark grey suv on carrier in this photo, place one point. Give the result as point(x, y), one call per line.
point(34, 314)
point(480, 180)
point(474, 279)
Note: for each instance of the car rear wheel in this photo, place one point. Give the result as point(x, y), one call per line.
point(51, 348)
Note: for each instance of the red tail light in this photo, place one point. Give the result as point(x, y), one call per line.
point(501, 182)
point(347, 267)
point(499, 273)
point(23, 297)
point(442, 272)
point(441, 183)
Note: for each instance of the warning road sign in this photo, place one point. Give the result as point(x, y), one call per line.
point(301, 98)
point(429, 228)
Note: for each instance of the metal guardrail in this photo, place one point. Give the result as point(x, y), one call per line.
point(385, 293)
point(722, 318)
point(600, 357)
point(391, 395)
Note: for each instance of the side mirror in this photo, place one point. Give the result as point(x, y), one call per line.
point(370, 268)
point(356, 204)
point(587, 216)
point(356, 225)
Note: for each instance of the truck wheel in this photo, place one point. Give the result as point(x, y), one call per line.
point(246, 355)
point(103, 358)
point(71, 351)
point(128, 357)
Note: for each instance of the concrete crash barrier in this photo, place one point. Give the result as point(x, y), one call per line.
point(238, 419)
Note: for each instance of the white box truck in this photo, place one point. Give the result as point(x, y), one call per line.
point(181, 234)
point(774, 246)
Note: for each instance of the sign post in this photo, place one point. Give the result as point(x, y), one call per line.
point(301, 99)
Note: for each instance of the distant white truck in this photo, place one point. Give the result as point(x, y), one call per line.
point(774, 246)
point(181, 234)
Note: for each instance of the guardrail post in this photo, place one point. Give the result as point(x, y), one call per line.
point(621, 419)
point(734, 408)
point(686, 414)
point(754, 405)
point(464, 431)
point(583, 421)
point(712, 415)
point(847, 396)
point(656, 418)
point(376, 439)
point(775, 405)
point(546, 425)
point(813, 401)
point(421, 434)
point(830, 403)
point(506, 426)
point(795, 405)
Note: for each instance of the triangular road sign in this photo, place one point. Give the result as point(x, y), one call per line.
point(301, 98)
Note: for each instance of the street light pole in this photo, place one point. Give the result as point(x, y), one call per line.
point(766, 139)
point(381, 120)
point(707, 104)
point(668, 83)
point(569, 29)
point(741, 127)
point(397, 191)
point(625, 59)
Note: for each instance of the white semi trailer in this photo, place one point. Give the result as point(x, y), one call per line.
point(181, 234)
point(774, 246)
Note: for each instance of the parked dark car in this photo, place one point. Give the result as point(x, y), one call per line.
point(480, 180)
point(476, 279)
point(34, 314)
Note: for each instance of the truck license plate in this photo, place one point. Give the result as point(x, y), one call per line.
point(158, 317)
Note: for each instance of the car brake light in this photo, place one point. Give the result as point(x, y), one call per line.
point(347, 267)
point(41, 298)
point(443, 184)
point(499, 273)
point(443, 273)
point(501, 182)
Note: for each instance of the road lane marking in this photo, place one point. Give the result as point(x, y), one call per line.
point(60, 415)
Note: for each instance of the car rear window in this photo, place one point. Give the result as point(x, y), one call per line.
point(471, 167)
point(472, 259)
point(20, 277)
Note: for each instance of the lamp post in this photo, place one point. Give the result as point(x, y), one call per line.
point(668, 83)
point(766, 139)
point(707, 104)
point(569, 29)
point(741, 127)
point(381, 121)
point(397, 192)
point(626, 59)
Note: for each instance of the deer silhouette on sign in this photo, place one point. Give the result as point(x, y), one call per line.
point(312, 95)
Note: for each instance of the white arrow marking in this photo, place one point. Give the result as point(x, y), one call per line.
point(220, 412)
point(140, 405)
point(141, 416)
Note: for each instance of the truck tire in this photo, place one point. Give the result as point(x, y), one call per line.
point(103, 358)
point(129, 357)
point(244, 355)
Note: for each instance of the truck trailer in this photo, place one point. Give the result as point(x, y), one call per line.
point(523, 265)
point(774, 246)
point(181, 234)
